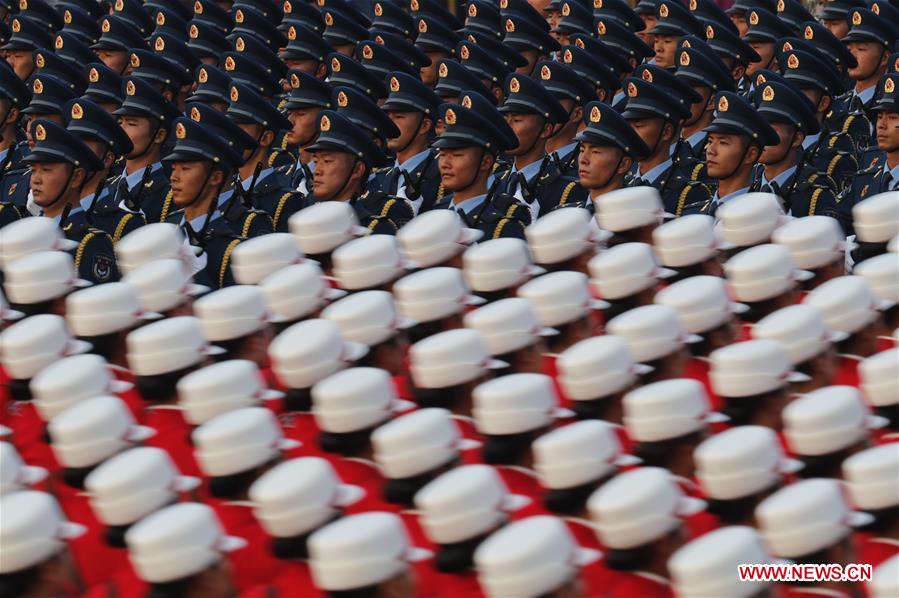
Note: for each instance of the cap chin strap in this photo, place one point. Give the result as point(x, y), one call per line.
point(536, 140)
point(149, 142)
point(421, 119)
point(614, 172)
point(477, 169)
point(739, 162)
point(65, 187)
point(876, 64)
point(346, 181)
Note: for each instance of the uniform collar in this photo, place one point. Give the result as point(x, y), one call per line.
point(655, 172)
point(245, 183)
point(566, 149)
point(781, 179)
point(471, 204)
point(866, 94)
point(413, 162)
point(135, 177)
point(810, 140)
point(531, 170)
point(729, 196)
point(894, 174)
point(3, 154)
point(695, 139)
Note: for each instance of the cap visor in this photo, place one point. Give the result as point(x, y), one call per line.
point(212, 350)
point(197, 289)
point(186, 483)
point(627, 460)
point(119, 386)
point(859, 519)
point(532, 270)
point(230, 544)
point(468, 444)
point(515, 502)
point(29, 475)
point(69, 530)
point(598, 304)
point(11, 314)
point(139, 433)
point(473, 300)
point(469, 236)
point(271, 395)
point(665, 273)
point(803, 275)
point(690, 506)
point(77, 347)
point(797, 377)
point(546, 331)
point(586, 556)
point(354, 351)
point(348, 494)
point(563, 413)
point(287, 444)
point(496, 364)
point(788, 465)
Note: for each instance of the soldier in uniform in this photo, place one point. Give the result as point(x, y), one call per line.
point(609, 148)
point(573, 91)
point(344, 155)
point(673, 22)
point(804, 190)
point(412, 106)
point(881, 175)
point(100, 132)
point(202, 162)
point(263, 186)
point(657, 104)
point(232, 202)
point(869, 40)
point(14, 96)
point(61, 165)
point(832, 152)
point(737, 137)
point(467, 151)
point(533, 115)
point(699, 67)
point(308, 96)
point(146, 117)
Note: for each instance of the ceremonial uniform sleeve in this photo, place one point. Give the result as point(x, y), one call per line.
point(95, 258)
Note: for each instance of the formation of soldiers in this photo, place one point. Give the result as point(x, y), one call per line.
point(531, 298)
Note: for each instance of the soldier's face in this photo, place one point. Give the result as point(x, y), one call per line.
point(839, 27)
point(740, 22)
point(114, 59)
point(665, 47)
point(307, 66)
point(596, 164)
point(459, 166)
point(21, 62)
point(304, 122)
point(408, 123)
point(188, 180)
point(29, 119)
point(332, 173)
point(888, 131)
point(772, 154)
point(528, 128)
point(532, 56)
point(48, 181)
point(428, 74)
point(649, 22)
point(649, 130)
point(553, 17)
point(723, 153)
point(870, 57)
point(766, 51)
point(138, 130)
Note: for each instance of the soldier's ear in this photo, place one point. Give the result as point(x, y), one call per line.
point(577, 114)
point(824, 103)
point(267, 139)
point(487, 161)
point(12, 116)
point(798, 138)
point(321, 71)
point(427, 124)
point(160, 136)
point(625, 165)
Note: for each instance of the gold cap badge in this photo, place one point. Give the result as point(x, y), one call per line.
point(394, 84)
point(77, 111)
point(230, 65)
point(329, 19)
point(466, 101)
point(567, 56)
point(335, 65)
point(67, 17)
point(93, 75)
point(38, 86)
point(367, 52)
point(793, 61)
point(342, 100)
point(135, 61)
point(180, 131)
point(194, 32)
point(546, 73)
point(510, 26)
point(709, 32)
point(601, 27)
point(514, 85)
point(238, 16)
point(566, 9)
point(292, 33)
point(722, 104)
point(450, 117)
point(160, 18)
point(422, 26)
point(889, 86)
point(684, 59)
point(203, 76)
point(768, 94)
point(413, 5)
point(325, 123)
point(856, 18)
point(442, 70)
point(595, 114)
point(809, 32)
point(753, 18)
point(235, 94)
point(464, 54)
point(287, 7)
point(472, 10)
point(198, 7)
point(40, 133)
point(159, 44)
point(379, 10)
point(104, 27)
point(663, 11)
point(646, 75)
point(195, 114)
point(240, 45)
point(631, 90)
point(130, 90)
point(39, 61)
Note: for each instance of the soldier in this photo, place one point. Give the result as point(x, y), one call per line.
point(146, 117)
point(467, 152)
point(573, 89)
point(439, 42)
point(657, 120)
point(61, 167)
point(869, 40)
point(533, 115)
point(736, 53)
point(804, 190)
point(673, 22)
point(737, 137)
point(528, 39)
point(117, 40)
point(14, 96)
point(307, 97)
point(882, 174)
point(344, 155)
point(765, 29)
point(202, 163)
point(832, 150)
point(104, 87)
point(412, 107)
point(263, 186)
point(609, 148)
point(100, 132)
point(705, 72)
point(27, 36)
